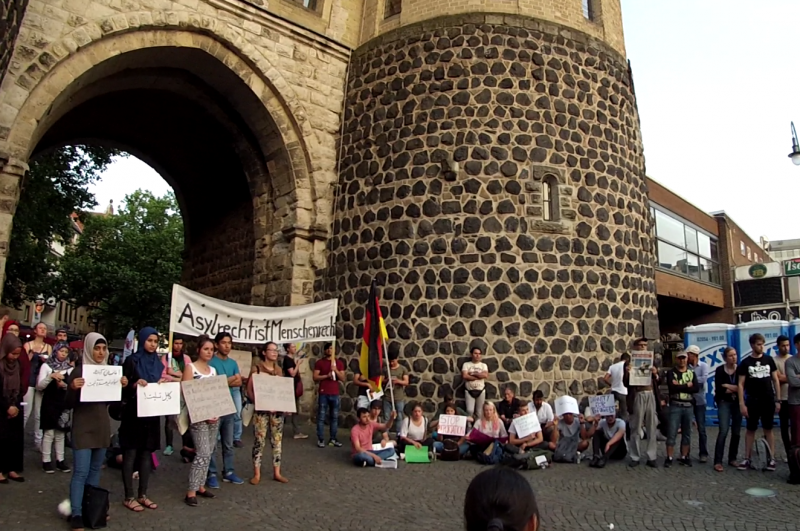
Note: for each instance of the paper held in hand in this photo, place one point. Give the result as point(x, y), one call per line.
point(274, 393)
point(641, 363)
point(452, 425)
point(101, 383)
point(602, 405)
point(526, 424)
point(566, 404)
point(208, 398)
point(158, 399)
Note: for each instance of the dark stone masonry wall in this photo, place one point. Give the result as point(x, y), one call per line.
point(466, 257)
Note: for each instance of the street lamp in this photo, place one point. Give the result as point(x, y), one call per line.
point(795, 154)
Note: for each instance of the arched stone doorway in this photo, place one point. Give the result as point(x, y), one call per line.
point(212, 123)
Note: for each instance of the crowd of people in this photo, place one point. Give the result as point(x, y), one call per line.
point(45, 383)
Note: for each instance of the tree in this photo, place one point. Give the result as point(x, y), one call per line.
point(124, 265)
point(55, 186)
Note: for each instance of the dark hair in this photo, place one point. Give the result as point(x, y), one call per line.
point(625, 357)
point(728, 349)
point(222, 335)
point(781, 339)
point(393, 356)
point(267, 344)
point(473, 349)
point(360, 411)
point(797, 339)
point(640, 340)
point(376, 404)
point(499, 499)
point(450, 405)
point(756, 337)
point(286, 346)
point(327, 346)
point(538, 394)
point(449, 396)
point(101, 341)
point(59, 330)
point(201, 341)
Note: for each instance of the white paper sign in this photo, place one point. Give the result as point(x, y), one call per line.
point(374, 396)
point(158, 399)
point(274, 393)
point(602, 405)
point(452, 425)
point(101, 383)
point(208, 398)
point(566, 404)
point(194, 314)
point(526, 424)
point(376, 447)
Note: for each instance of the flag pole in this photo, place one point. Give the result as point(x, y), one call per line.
point(389, 370)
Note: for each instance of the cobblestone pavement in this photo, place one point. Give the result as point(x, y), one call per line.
point(327, 493)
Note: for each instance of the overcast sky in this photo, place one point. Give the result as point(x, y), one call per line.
point(717, 83)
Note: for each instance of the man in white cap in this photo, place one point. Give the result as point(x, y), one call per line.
point(701, 370)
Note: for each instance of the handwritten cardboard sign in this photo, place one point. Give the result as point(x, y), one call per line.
point(102, 383)
point(208, 398)
point(274, 393)
point(452, 425)
point(244, 359)
point(602, 405)
point(566, 404)
point(156, 400)
point(526, 424)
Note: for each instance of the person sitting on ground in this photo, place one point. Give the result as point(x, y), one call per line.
point(460, 440)
point(547, 419)
point(500, 499)
point(380, 433)
point(488, 430)
point(508, 408)
point(361, 440)
point(414, 432)
point(608, 440)
point(440, 410)
point(532, 440)
point(571, 439)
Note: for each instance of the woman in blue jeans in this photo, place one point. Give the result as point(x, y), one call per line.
point(730, 416)
point(91, 429)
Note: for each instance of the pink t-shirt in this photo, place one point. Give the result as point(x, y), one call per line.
point(187, 362)
point(363, 436)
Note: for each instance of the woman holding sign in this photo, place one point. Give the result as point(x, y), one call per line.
point(204, 434)
point(91, 429)
point(139, 437)
point(267, 420)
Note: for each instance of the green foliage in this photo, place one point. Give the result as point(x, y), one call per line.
point(124, 265)
point(55, 186)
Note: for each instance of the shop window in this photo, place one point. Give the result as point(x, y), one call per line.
point(686, 250)
point(392, 8)
point(743, 248)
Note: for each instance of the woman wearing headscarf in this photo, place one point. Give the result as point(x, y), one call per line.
point(12, 389)
point(139, 437)
point(11, 327)
point(54, 416)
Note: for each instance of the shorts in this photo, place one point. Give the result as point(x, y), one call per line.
point(761, 410)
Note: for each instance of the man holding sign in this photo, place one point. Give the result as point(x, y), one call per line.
point(608, 438)
point(525, 431)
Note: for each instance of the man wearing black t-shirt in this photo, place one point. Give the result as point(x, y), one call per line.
point(759, 397)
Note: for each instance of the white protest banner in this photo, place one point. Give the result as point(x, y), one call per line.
point(526, 424)
point(194, 314)
point(158, 399)
point(602, 405)
point(452, 425)
point(274, 393)
point(101, 383)
point(641, 362)
point(208, 398)
point(244, 360)
point(566, 404)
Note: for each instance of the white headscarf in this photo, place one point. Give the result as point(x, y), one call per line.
point(88, 346)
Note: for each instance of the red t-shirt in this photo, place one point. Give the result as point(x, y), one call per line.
point(362, 435)
point(328, 386)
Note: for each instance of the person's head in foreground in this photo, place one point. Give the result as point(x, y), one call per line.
point(500, 499)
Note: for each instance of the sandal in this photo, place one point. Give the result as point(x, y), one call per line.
point(145, 501)
point(205, 494)
point(718, 467)
point(133, 505)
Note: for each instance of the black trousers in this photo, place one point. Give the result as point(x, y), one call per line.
point(133, 460)
point(617, 451)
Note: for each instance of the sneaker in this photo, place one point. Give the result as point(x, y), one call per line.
point(667, 462)
point(704, 459)
point(320, 443)
point(76, 522)
point(744, 464)
point(652, 464)
point(771, 465)
point(232, 478)
point(300, 436)
point(63, 466)
point(238, 444)
point(685, 461)
point(168, 451)
point(48, 468)
point(634, 464)
point(212, 482)
point(335, 443)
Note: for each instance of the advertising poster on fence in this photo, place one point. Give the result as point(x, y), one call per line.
point(194, 314)
point(641, 363)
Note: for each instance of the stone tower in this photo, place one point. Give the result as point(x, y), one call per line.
point(492, 180)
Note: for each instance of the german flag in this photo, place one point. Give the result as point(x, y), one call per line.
point(372, 354)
